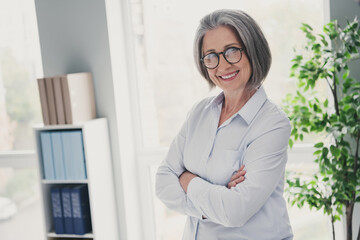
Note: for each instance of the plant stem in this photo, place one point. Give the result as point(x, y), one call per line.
point(356, 153)
point(355, 169)
point(349, 215)
point(334, 92)
point(332, 225)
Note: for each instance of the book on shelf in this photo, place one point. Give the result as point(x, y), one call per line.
point(67, 99)
point(67, 209)
point(62, 155)
point(81, 209)
point(59, 102)
point(47, 155)
point(71, 209)
point(51, 100)
point(58, 155)
point(74, 156)
point(57, 210)
point(43, 101)
point(79, 97)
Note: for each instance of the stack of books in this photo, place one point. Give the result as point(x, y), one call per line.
point(63, 156)
point(67, 99)
point(71, 209)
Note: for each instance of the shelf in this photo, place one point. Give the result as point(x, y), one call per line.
point(42, 127)
point(98, 165)
point(85, 181)
point(88, 235)
point(58, 126)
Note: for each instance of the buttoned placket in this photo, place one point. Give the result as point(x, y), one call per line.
point(214, 129)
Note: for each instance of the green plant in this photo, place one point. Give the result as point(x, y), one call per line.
point(328, 57)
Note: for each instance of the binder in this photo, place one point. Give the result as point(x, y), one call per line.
point(81, 209)
point(56, 139)
point(47, 155)
point(74, 156)
point(67, 208)
point(57, 210)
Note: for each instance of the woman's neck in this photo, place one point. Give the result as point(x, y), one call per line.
point(233, 102)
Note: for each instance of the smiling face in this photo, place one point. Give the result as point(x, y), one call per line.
point(231, 78)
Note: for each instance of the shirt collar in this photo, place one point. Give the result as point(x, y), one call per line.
point(215, 101)
point(251, 107)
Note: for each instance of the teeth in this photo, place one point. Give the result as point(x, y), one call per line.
point(229, 76)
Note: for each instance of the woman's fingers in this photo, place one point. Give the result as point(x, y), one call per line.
point(236, 181)
point(237, 178)
point(238, 174)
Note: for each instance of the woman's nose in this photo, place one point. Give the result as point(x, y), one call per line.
point(223, 64)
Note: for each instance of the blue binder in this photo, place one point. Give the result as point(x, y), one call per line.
point(81, 209)
point(67, 208)
point(47, 156)
point(74, 156)
point(57, 210)
point(56, 139)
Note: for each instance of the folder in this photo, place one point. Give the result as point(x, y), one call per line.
point(57, 146)
point(81, 209)
point(67, 209)
point(47, 155)
point(74, 156)
point(57, 210)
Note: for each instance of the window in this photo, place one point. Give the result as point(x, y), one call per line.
point(20, 65)
point(20, 205)
point(168, 85)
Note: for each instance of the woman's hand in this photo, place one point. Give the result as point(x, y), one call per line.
point(238, 177)
point(185, 179)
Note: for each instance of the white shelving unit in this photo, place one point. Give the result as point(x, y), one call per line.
point(99, 180)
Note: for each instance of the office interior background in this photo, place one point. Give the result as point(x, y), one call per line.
point(140, 55)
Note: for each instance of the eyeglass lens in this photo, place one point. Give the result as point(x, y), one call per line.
point(232, 55)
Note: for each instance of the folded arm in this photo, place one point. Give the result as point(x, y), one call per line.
point(264, 160)
point(168, 188)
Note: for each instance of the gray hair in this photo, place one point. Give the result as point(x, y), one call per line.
point(250, 36)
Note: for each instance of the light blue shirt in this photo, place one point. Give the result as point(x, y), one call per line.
point(256, 136)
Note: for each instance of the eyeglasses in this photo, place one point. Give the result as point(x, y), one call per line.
point(232, 55)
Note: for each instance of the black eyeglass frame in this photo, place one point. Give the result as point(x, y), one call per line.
point(218, 56)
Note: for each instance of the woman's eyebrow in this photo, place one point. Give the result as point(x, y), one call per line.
point(225, 47)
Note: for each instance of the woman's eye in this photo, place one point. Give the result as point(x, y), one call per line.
point(210, 56)
point(231, 50)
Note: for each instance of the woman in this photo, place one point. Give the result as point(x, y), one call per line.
point(203, 174)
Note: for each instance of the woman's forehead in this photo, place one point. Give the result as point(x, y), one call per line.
point(220, 37)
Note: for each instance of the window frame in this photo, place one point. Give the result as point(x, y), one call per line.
point(18, 159)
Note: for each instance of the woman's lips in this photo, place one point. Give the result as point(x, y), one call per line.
point(229, 76)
